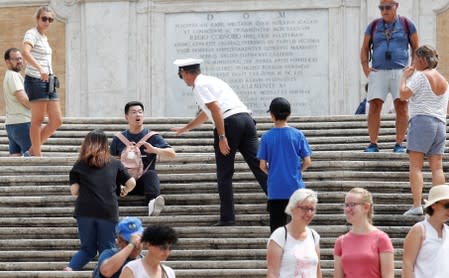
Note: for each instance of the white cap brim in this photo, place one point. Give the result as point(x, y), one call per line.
point(187, 62)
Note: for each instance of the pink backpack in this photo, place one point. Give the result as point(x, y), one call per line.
point(131, 156)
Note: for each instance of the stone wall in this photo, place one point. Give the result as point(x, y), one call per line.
point(110, 52)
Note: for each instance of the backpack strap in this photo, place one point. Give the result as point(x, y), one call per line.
point(373, 28)
point(122, 138)
point(406, 26)
point(145, 138)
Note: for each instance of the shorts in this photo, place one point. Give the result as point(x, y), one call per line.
point(37, 90)
point(382, 82)
point(426, 134)
point(19, 137)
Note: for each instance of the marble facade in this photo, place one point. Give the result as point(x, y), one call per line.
point(117, 51)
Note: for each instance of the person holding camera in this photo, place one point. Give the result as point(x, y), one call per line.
point(386, 45)
point(40, 83)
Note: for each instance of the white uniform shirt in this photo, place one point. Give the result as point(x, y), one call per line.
point(299, 259)
point(432, 259)
point(41, 52)
point(16, 113)
point(138, 269)
point(208, 89)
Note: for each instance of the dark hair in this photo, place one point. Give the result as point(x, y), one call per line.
point(8, 52)
point(95, 149)
point(159, 234)
point(133, 103)
point(429, 54)
point(429, 210)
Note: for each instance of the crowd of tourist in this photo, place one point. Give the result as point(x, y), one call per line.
point(103, 172)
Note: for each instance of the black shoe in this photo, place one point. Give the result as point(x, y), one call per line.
point(224, 223)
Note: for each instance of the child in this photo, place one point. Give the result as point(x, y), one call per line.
point(284, 153)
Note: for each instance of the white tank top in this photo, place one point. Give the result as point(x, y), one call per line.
point(432, 260)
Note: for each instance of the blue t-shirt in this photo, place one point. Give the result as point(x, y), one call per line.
point(106, 254)
point(283, 149)
point(397, 45)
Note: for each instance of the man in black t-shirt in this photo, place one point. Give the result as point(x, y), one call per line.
point(148, 184)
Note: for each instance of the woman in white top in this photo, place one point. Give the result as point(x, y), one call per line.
point(43, 98)
point(427, 92)
point(158, 240)
point(426, 246)
point(293, 250)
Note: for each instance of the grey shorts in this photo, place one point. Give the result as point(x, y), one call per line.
point(383, 82)
point(426, 134)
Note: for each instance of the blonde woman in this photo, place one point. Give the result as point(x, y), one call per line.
point(427, 92)
point(293, 250)
point(44, 101)
point(364, 251)
point(426, 246)
point(94, 179)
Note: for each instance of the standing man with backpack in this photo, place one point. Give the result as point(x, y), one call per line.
point(386, 44)
point(142, 165)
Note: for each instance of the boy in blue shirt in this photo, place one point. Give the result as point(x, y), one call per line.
point(283, 153)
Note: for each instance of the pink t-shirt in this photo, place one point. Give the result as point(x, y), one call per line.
point(359, 253)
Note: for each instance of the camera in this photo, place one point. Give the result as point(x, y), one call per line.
point(388, 55)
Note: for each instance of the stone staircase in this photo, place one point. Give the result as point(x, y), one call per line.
point(38, 234)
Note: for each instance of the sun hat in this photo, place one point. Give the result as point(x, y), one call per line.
point(437, 193)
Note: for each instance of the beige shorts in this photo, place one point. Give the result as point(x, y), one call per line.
point(384, 82)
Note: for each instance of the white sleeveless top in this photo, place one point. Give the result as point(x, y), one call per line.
point(432, 260)
point(138, 270)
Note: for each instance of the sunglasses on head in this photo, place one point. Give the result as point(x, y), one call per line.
point(46, 18)
point(386, 7)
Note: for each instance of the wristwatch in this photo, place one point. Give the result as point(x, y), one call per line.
point(221, 137)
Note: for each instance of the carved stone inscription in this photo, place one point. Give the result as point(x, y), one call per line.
point(262, 55)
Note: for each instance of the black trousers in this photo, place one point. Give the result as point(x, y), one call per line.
point(242, 136)
point(278, 217)
point(148, 185)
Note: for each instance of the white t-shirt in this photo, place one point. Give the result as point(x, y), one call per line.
point(41, 52)
point(299, 259)
point(424, 101)
point(138, 269)
point(208, 89)
point(16, 113)
point(432, 259)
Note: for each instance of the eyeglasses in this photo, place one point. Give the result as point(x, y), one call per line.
point(166, 246)
point(386, 7)
point(16, 59)
point(352, 205)
point(307, 209)
point(46, 18)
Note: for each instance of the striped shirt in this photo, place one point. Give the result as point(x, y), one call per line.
point(424, 101)
point(41, 52)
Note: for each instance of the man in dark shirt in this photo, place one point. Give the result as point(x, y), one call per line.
point(148, 184)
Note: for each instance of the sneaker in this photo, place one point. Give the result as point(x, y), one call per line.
point(372, 148)
point(414, 211)
point(67, 269)
point(155, 206)
point(398, 148)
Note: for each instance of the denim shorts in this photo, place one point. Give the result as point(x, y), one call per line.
point(37, 89)
point(426, 134)
point(19, 137)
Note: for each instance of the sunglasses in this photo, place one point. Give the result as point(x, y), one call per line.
point(386, 7)
point(46, 18)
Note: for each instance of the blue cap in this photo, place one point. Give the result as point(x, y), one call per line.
point(129, 226)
